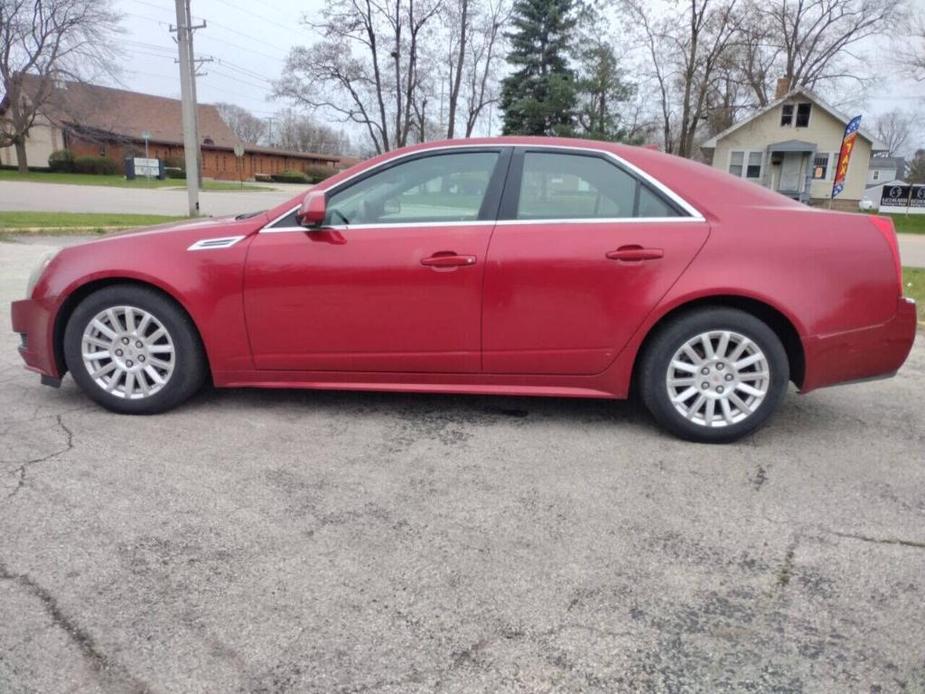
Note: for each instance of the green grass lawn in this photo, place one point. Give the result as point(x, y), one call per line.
point(52, 221)
point(914, 287)
point(117, 181)
point(913, 224)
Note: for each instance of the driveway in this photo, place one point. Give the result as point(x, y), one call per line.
point(55, 197)
point(272, 541)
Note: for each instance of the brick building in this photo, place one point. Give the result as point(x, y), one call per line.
point(101, 121)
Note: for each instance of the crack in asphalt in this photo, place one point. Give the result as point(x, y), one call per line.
point(879, 540)
point(21, 470)
point(118, 676)
point(785, 573)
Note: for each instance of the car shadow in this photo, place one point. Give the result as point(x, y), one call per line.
point(465, 408)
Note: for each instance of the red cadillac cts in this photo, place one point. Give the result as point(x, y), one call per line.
point(520, 266)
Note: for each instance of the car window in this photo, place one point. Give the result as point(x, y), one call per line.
point(574, 186)
point(290, 220)
point(438, 188)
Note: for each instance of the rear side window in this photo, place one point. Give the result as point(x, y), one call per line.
point(574, 186)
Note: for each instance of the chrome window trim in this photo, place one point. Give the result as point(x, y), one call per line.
point(214, 244)
point(694, 215)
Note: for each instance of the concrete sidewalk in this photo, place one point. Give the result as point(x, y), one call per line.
point(27, 196)
point(912, 249)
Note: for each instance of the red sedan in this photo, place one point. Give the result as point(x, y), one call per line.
point(516, 266)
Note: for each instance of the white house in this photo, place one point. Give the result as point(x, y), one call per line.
point(886, 169)
point(791, 146)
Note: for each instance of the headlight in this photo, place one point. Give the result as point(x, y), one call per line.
point(37, 271)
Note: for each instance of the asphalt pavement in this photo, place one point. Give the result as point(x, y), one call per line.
point(27, 196)
point(297, 541)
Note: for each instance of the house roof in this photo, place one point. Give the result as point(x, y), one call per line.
point(807, 93)
point(897, 163)
point(792, 146)
point(127, 114)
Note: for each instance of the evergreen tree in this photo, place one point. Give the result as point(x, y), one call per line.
point(603, 91)
point(539, 98)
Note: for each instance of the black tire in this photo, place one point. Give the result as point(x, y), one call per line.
point(673, 335)
point(189, 369)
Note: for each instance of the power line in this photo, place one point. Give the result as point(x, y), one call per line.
point(261, 17)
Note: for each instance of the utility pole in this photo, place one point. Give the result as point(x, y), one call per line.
point(184, 31)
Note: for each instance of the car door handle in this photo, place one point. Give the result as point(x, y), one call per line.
point(635, 253)
point(448, 260)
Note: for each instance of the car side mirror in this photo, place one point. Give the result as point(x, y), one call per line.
point(313, 210)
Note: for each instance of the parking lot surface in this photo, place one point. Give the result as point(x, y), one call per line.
point(273, 541)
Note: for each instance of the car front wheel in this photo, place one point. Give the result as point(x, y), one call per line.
point(133, 350)
point(714, 375)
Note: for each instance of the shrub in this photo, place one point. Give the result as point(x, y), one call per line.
point(175, 163)
point(316, 174)
point(61, 160)
point(101, 166)
point(174, 172)
point(290, 177)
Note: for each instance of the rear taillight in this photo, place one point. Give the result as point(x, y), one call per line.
point(885, 225)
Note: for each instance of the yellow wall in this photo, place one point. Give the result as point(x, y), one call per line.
point(824, 130)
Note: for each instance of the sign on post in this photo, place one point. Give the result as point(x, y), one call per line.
point(903, 198)
point(239, 153)
point(147, 167)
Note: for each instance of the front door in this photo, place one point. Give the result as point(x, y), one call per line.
point(791, 173)
point(392, 282)
point(587, 252)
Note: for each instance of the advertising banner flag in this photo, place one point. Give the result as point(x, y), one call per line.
point(844, 156)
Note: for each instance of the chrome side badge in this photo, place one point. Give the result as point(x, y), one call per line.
point(211, 244)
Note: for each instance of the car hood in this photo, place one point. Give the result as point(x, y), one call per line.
point(202, 223)
point(185, 230)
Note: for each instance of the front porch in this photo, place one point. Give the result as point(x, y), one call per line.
point(790, 168)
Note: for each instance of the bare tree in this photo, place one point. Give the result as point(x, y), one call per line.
point(914, 57)
point(893, 129)
point(347, 73)
point(808, 42)
point(48, 40)
point(483, 60)
point(302, 133)
point(248, 127)
point(687, 48)
point(460, 19)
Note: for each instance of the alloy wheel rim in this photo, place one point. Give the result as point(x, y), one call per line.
point(718, 378)
point(128, 352)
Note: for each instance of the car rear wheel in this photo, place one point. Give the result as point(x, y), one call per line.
point(714, 375)
point(133, 350)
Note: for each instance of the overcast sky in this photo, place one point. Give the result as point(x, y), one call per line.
point(249, 42)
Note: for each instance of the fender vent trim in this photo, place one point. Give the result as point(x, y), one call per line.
point(215, 244)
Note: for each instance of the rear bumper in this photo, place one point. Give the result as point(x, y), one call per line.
point(858, 355)
point(35, 324)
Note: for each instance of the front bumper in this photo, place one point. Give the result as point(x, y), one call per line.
point(34, 322)
point(863, 354)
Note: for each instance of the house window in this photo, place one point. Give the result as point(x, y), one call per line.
point(753, 170)
point(803, 114)
point(821, 166)
point(786, 114)
point(736, 160)
point(744, 164)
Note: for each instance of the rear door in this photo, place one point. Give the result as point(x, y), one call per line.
point(584, 249)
